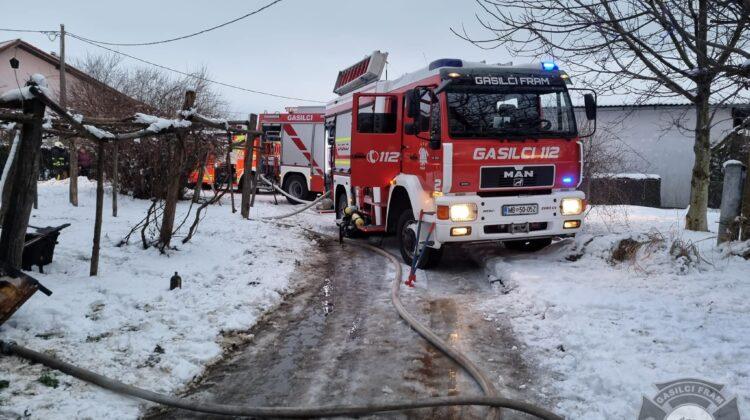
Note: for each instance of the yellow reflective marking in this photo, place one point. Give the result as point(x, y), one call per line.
point(343, 139)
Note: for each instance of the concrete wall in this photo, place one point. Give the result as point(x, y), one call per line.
point(659, 140)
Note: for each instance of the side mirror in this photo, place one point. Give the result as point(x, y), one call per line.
point(590, 105)
point(412, 103)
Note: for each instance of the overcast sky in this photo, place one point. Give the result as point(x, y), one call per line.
point(294, 48)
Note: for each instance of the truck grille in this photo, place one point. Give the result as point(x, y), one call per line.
point(517, 176)
point(505, 228)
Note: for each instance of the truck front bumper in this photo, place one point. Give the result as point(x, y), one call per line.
point(492, 225)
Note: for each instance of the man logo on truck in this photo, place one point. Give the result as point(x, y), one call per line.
point(518, 174)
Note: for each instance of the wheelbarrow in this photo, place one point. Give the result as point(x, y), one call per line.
point(39, 246)
point(16, 288)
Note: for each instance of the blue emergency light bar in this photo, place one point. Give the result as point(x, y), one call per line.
point(549, 66)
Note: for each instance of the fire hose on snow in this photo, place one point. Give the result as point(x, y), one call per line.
point(284, 193)
point(489, 400)
point(300, 210)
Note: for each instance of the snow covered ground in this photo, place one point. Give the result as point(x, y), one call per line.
point(603, 332)
point(125, 323)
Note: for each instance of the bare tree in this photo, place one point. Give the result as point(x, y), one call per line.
point(150, 167)
point(644, 49)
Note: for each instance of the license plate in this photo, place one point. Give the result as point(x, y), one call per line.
point(520, 209)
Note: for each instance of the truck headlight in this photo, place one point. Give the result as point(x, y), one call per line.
point(571, 206)
point(463, 212)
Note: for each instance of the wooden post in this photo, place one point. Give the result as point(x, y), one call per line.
point(8, 170)
point(36, 190)
point(247, 176)
point(731, 202)
point(72, 146)
point(115, 174)
point(94, 268)
point(177, 159)
point(746, 202)
point(199, 182)
point(258, 168)
point(230, 176)
point(22, 185)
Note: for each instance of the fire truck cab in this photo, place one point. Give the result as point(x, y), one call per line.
point(458, 151)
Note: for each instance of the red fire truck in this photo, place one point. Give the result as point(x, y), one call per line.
point(302, 149)
point(215, 171)
point(294, 151)
point(459, 152)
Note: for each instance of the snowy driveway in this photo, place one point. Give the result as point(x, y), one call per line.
point(338, 340)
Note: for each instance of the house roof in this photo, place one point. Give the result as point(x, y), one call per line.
point(666, 105)
point(671, 105)
point(55, 61)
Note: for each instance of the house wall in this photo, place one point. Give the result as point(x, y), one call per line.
point(659, 140)
point(29, 64)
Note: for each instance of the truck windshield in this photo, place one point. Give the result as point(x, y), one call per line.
point(532, 113)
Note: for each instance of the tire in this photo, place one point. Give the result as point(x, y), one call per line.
point(407, 239)
point(296, 186)
point(528, 245)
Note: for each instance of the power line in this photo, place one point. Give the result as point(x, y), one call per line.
point(28, 30)
point(122, 44)
point(192, 75)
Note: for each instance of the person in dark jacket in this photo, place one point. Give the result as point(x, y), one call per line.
point(84, 163)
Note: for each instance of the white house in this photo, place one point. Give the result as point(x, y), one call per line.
point(658, 139)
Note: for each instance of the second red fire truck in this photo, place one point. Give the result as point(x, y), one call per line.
point(294, 154)
point(456, 152)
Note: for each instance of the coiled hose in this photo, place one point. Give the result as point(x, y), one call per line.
point(11, 348)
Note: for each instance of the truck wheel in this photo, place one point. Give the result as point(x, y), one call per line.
point(407, 239)
point(296, 186)
point(529, 245)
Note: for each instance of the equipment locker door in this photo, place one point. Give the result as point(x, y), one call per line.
point(376, 139)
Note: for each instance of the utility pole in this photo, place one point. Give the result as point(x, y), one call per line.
point(72, 150)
